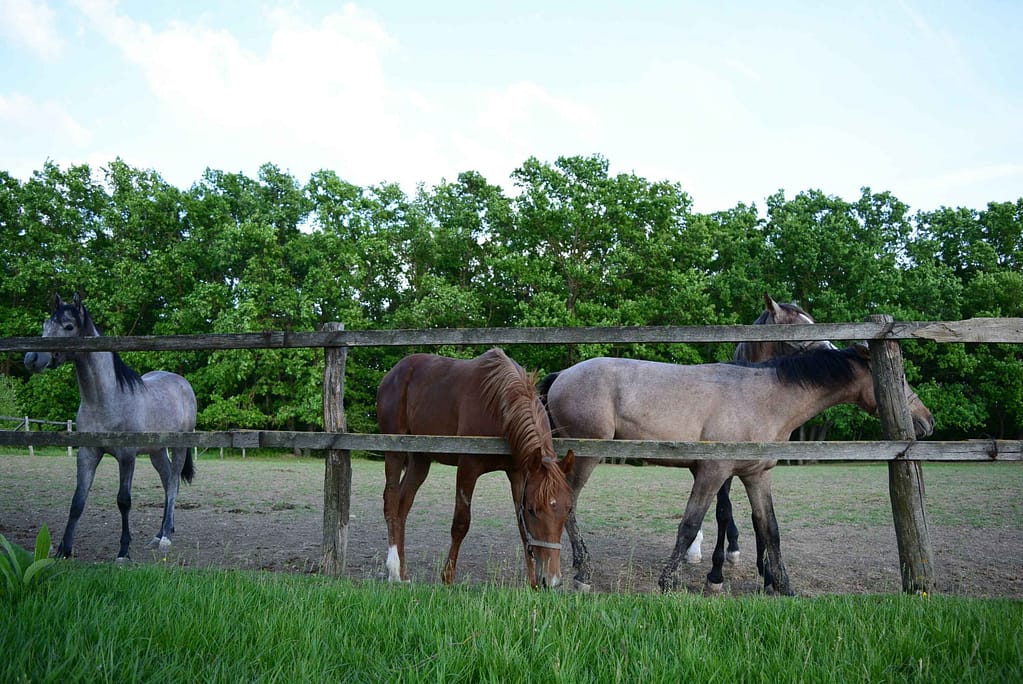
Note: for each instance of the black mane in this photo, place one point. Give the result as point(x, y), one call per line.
point(814, 368)
point(127, 377)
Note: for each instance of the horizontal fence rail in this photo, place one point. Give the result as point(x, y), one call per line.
point(654, 452)
point(1008, 330)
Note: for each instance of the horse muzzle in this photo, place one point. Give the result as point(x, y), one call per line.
point(37, 362)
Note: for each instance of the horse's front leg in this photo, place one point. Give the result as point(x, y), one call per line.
point(88, 459)
point(465, 484)
point(577, 478)
point(169, 477)
point(126, 470)
point(769, 562)
point(704, 488)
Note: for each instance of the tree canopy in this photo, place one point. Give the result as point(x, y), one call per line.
point(571, 245)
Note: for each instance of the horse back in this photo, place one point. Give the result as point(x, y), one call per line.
point(426, 394)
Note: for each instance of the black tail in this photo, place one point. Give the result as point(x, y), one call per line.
point(188, 471)
point(542, 388)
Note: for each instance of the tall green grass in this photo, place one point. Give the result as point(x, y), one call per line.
point(150, 623)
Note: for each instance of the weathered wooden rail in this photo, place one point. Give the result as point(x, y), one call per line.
point(902, 452)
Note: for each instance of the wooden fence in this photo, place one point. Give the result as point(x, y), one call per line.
point(25, 423)
point(899, 448)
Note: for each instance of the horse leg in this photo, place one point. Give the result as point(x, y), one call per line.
point(465, 484)
point(580, 554)
point(704, 488)
point(126, 470)
point(723, 515)
point(169, 475)
point(769, 562)
point(732, 533)
point(399, 494)
point(88, 459)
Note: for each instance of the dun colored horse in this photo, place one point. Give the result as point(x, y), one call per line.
point(611, 398)
point(114, 398)
point(774, 313)
point(489, 396)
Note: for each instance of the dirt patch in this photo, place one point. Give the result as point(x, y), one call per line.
point(267, 515)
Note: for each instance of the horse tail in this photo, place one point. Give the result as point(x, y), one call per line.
point(188, 471)
point(542, 388)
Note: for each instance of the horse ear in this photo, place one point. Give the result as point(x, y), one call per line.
point(771, 305)
point(56, 302)
point(863, 350)
point(78, 300)
point(568, 462)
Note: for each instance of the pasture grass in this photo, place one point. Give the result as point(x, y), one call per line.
point(152, 623)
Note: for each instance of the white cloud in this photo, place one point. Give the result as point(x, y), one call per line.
point(33, 24)
point(20, 114)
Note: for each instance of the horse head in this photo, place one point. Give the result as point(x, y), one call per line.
point(546, 502)
point(776, 313)
point(923, 419)
point(67, 320)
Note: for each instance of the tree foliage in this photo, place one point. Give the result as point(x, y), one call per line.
point(573, 245)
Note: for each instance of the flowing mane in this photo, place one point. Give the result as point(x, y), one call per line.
point(510, 394)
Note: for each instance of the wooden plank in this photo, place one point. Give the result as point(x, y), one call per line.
point(975, 330)
point(972, 450)
point(1006, 330)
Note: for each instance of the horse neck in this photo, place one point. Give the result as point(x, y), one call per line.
point(805, 403)
point(97, 381)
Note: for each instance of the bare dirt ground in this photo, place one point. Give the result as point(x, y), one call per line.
point(266, 514)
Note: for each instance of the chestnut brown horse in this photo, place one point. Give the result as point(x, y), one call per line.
point(610, 398)
point(489, 396)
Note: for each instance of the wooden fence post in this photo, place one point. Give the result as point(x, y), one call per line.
point(905, 478)
point(337, 476)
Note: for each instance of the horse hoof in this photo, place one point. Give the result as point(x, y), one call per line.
point(714, 588)
point(581, 586)
point(732, 557)
point(694, 558)
point(164, 543)
point(122, 560)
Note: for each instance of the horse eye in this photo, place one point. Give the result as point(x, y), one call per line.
point(68, 327)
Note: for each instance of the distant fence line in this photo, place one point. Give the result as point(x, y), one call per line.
point(25, 423)
point(899, 449)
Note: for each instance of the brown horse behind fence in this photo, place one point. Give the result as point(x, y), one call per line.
point(489, 396)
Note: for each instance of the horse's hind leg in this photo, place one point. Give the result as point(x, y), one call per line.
point(465, 485)
point(732, 555)
point(399, 494)
point(696, 509)
point(723, 515)
point(169, 477)
point(769, 562)
point(126, 470)
point(88, 459)
point(580, 554)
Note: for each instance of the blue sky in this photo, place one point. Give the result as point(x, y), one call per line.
point(732, 100)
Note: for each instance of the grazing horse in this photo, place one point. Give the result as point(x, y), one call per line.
point(114, 398)
point(489, 396)
point(612, 398)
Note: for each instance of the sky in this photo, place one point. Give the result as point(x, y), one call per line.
point(732, 100)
